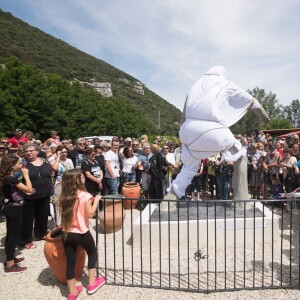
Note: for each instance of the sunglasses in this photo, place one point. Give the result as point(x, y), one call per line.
point(81, 144)
point(6, 143)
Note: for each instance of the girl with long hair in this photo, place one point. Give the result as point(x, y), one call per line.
point(12, 190)
point(77, 206)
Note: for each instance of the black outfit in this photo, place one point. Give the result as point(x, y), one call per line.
point(101, 161)
point(87, 242)
point(77, 157)
point(13, 211)
point(91, 186)
point(158, 173)
point(36, 206)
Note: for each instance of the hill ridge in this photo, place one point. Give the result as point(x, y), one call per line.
point(52, 55)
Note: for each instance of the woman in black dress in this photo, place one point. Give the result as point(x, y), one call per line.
point(36, 206)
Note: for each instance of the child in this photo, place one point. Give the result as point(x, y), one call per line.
point(77, 206)
point(12, 189)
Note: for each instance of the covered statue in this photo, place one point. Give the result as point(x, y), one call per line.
point(212, 105)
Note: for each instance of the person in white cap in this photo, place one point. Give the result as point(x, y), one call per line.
point(212, 105)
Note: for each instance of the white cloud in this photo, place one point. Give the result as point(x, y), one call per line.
point(169, 44)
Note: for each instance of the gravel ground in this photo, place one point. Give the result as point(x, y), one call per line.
point(38, 282)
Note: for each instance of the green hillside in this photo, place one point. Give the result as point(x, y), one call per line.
point(53, 56)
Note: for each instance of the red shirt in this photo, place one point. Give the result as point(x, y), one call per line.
point(15, 142)
point(280, 152)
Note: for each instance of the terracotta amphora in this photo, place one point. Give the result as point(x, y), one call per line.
point(55, 255)
point(113, 213)
point(131, 190)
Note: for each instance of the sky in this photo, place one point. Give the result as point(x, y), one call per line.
point(169, 44)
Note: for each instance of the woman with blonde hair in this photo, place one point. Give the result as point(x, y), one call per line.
point(77, 206)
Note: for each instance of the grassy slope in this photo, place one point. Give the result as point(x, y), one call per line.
point(52, 55)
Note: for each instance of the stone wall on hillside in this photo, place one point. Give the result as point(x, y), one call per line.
point(104, 88)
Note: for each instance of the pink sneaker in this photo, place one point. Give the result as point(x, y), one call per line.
point(79, 288)
point(72, 297)
point(99, 281)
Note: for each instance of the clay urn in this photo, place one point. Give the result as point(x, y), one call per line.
point(132, 191)
point(55, 255)
point(113, 214)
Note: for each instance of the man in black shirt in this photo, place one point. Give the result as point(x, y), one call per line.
point(77, 155)
point(156, 170)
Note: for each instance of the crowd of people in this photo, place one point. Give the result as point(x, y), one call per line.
point(32, 176)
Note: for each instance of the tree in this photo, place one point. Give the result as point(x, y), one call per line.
point(34, 101)
point(291, 112)
point(249, 123)
point(268, 101)
point(278, 123)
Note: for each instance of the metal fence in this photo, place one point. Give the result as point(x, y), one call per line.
point(200, 246)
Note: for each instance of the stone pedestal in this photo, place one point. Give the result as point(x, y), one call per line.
point(239, 179)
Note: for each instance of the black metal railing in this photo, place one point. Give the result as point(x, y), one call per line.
point(203, 246)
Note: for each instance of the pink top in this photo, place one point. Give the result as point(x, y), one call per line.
point(80, 218)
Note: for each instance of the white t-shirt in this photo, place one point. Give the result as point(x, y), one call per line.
point(170, 158)
point(113, 158)
point(129, 164)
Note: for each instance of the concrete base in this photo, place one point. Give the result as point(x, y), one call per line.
point(166, 231)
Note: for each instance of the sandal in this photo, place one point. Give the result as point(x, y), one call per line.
point(30, 246)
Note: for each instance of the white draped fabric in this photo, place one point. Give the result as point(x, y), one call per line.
point(213, 104)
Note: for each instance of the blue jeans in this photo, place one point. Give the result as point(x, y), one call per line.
point(223, 186)
point(113, 185)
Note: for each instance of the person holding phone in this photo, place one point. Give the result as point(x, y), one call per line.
point(12, 190)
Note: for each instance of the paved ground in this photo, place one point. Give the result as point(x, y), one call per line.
point(38, 282)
